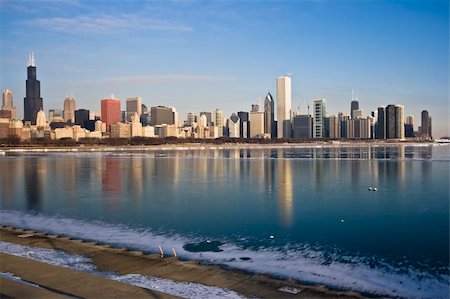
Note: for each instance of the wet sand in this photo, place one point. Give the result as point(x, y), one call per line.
point(65, 282)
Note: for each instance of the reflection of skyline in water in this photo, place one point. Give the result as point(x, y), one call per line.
point(269, 171)
point(246, 195)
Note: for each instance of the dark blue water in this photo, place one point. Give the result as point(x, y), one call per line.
point(302, 213)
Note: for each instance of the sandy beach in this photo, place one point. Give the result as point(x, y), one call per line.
point(57, 282)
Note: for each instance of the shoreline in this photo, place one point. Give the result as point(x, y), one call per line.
point(123, 261)
point(204, 146)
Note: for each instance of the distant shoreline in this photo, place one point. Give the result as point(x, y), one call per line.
point(196, 144)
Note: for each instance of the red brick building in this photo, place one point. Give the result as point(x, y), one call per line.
point(111, 113)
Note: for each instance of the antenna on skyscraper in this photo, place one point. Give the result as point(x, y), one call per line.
point(353, 94)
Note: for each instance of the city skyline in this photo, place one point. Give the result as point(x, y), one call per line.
point(183, 63)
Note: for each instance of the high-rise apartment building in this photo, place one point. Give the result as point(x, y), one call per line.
point(334, 131)
point(284, 100)
point(319, 117)
point(395, 122)
point(110, 112)
point(269, 116)
point(69, 109)
point(425, 129)
point(133, 105)
point(380, 131)
point(32, 103)
point(7, 103)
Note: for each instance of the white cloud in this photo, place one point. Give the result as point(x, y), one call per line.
point(103, 24)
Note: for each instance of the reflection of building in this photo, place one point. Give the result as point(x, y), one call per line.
point(285, 192)
point(35, 170)
point(284, 129)
point(111, 177)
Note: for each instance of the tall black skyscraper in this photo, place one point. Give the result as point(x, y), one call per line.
point(32, 102)
point(354, 104)
point(269, 112)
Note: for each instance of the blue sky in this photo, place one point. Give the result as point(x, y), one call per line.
point(202, 55)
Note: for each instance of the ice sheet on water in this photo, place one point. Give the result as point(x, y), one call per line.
point(81, 263)
point(302, 263)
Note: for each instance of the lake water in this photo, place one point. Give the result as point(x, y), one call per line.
point(304, 213)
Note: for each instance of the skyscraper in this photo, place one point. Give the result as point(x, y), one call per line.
point(256, 124)
point(32, 103)
point(8, 102)
point(162, 115)
point(81, 116)
point(244, 128)
point(233, 126)
point(219, 121)
point(284, 107)
point(425, 129)
point(302, 126)
point(354, 105)
point(334, 127)
point(110, 112)
point(381, 123)
point(269, 116)
point(319, 118)
point(208, 117)
point(133, 105)
point(409, 126)
point(69, 109)
point(395, 122)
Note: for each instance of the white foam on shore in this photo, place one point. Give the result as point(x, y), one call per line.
point(303, 264)
point(81, 263)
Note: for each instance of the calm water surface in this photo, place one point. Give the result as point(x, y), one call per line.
point(302, 213)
